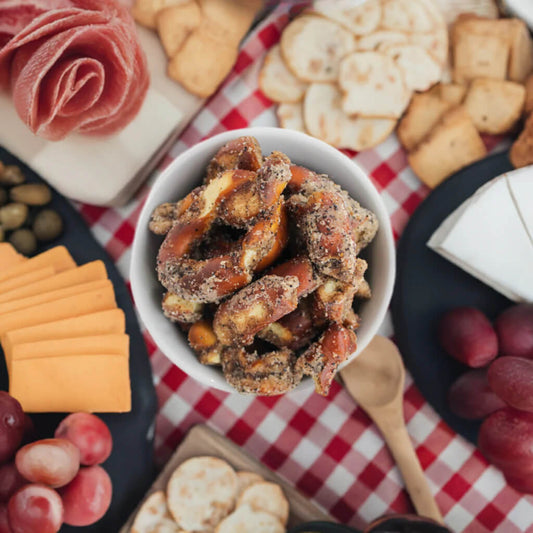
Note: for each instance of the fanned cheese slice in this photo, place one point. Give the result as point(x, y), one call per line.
point(486, 237)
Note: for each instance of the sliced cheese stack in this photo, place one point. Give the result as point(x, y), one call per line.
point(490, 235)
point(63, 336)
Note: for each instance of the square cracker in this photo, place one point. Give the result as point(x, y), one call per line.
point(479, 56)
point(202, 62)
point(145, 11)
point(425, 111)
point(175, 23)
point(452, 145)
point(495, 106)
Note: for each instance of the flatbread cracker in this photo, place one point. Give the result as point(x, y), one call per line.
point(145, 11)
point(408, 16)
point(373, 86)
point(420, 71)
point(451, 9)
point(325, 119)
point(360, 19)
point(245, 520)
point(154, 517)
point(201, 492)
point(247, 479)
point(290, 116)
point(267, 497)
point(277, 81)
point(495, 106)
point(380, 38)
point(175, 24)
point(311, 58)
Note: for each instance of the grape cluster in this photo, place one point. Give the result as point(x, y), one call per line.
point(46, 483)
point(499, 388)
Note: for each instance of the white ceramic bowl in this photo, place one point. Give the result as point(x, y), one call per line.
point(187, 171)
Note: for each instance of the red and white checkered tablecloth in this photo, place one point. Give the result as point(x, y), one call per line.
point(326, 447)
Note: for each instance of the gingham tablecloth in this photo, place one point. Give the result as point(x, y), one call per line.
point(326, 447)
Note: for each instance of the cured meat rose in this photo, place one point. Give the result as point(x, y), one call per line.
point(75, 67)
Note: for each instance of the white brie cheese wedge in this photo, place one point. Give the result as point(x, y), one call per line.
point(486, 236)
point(520, 183)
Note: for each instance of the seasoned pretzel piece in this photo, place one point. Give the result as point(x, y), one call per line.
point(364, 222)
point(180, 310)
point(252, 197)
point(267, 375)
point(333, 300)
point(204, 342)
point(163, 218)
point(293, 331)
point(322, 358)
point(238, 319)
point(209, 280)
point(302, 268)
point(243, 152)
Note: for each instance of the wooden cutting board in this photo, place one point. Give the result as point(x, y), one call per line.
point(202, 440)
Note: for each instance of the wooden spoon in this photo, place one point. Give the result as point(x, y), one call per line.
point(375, 379)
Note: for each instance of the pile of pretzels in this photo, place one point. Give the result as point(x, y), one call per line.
point(261, 267)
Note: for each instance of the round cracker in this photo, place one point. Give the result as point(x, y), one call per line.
point(266, 497)
point(154, 517)
point(411, 16)
point(380, 38)
point(245, 520)
point(313, 47)
point(201, 492)
point(373, 86)
point(436, 43)
point(325, 119)
point(247, 479)
point(290, 117)
point(360, 19)
point(277, 81)
point(420, 71)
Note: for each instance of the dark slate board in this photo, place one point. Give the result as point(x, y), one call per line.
point(428, 285)
point(131, 465)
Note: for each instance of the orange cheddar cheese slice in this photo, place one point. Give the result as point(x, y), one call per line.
point(93, 271)
point(112, 322)
point(44, 297)
point(26, 278)
point(71, 306)
point(9, 257)
point(99, 344)
point(57, 257)
point(90, 383)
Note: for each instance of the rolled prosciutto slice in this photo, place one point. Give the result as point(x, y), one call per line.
point(75, 68)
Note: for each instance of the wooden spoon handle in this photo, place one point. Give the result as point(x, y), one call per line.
point(417, 486)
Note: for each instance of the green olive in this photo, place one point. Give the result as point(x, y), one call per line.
point(11, 175)
point(47, 225)
point(2, 234)
point(24, 241)
point(12, 216)
point(3, 196)
point(31, 194)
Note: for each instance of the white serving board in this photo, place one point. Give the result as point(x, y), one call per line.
point(107, 170)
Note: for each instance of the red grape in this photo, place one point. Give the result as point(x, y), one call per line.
point(506, 439)
point(511, 378)
point(53, 462)
point(4, 520)
point(515, 331)
point(35, 509)
point(471, 397)
point(10, 481)
point(466, 334)
point(87, 497)
point(29, 430)
point(521, 482)
point(90, 434)
point(11, 426)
